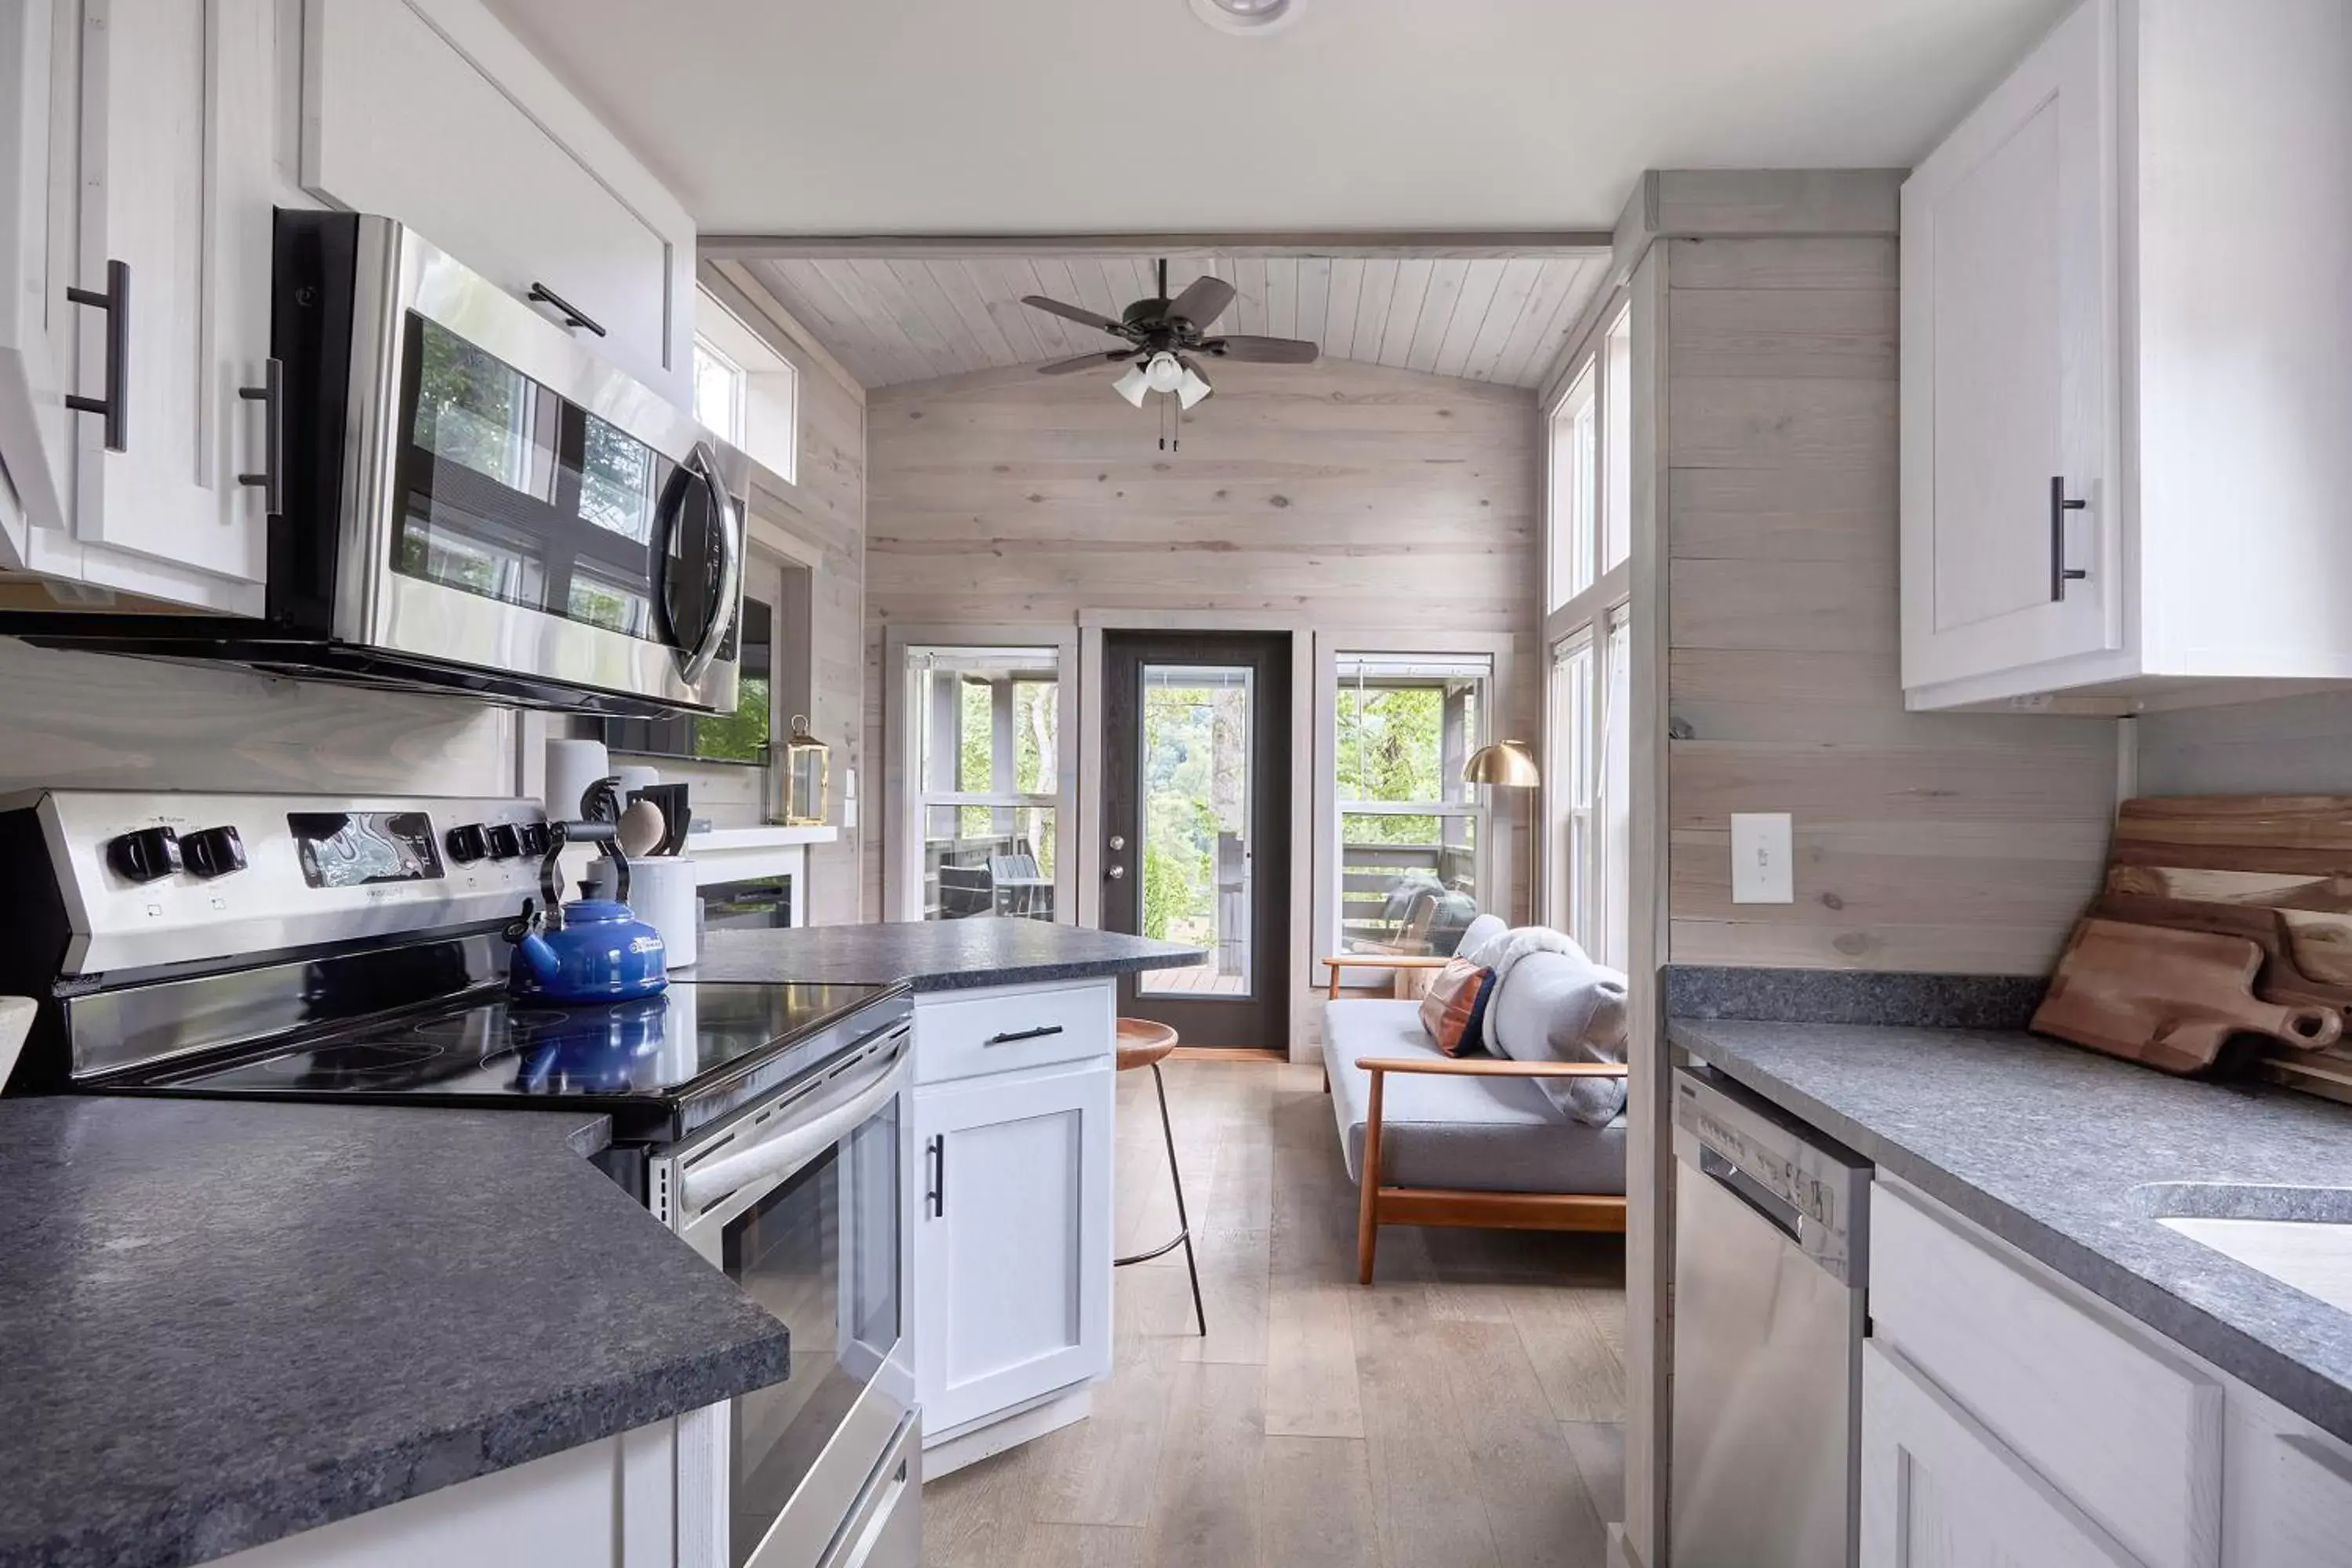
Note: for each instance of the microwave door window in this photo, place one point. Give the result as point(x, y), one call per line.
point(478, 468)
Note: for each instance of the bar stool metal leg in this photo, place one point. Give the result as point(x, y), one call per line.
point(1183, 1236)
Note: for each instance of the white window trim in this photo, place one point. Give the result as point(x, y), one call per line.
point(770, 381)
point(902, 870)
point(1497, 866)
point(1588, 614)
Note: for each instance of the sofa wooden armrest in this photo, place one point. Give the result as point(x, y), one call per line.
point(1380, 1203)
point(1398, 962)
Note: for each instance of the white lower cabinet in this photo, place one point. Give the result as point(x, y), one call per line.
point(1012, 1241)
point(2010, 1419)
point(1938, 1490)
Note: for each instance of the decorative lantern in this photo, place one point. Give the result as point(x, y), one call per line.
point(808, 774)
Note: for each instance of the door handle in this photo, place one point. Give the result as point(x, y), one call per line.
point(114, 406)
point(271, 396)
point(935, 1192)
point(2060, 505)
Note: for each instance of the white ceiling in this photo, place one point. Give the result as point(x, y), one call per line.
point(1130, 116)
point(910, 319)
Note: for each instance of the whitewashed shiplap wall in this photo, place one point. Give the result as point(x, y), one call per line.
point(92, 721)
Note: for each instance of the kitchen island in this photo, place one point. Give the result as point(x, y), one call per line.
point(225, 1323)
point(1015, 1054)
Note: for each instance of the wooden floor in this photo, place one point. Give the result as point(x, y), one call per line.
point(1464, 1411)
point(1200, 979)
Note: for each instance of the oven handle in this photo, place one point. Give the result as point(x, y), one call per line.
point(787, 1152)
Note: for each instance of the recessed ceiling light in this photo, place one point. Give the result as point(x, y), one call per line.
point(1247, 15)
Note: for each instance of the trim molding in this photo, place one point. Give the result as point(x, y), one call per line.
point(1418, 243)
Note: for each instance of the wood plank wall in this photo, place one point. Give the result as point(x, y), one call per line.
point(1924, 841)
point(825, 512)
point(1338, 494)
point(2285, 745)
point(98, 722)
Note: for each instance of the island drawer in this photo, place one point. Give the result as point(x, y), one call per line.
point(1007, 1030)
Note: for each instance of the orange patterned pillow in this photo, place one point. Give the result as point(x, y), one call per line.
point(1455, 1003)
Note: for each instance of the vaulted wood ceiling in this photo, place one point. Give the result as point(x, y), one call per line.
point(1497, 319)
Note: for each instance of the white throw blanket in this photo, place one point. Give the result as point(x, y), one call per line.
point(1502, 954)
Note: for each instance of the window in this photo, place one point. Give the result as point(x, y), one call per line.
point(1575, 490)
point(745, 389)
point(1413, 861)
point(718, 392)
point(1588, 777)
point(985, 733)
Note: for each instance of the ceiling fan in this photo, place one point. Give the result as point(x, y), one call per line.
point(1166, 340)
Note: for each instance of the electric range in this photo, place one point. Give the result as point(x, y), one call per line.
point(352, 950)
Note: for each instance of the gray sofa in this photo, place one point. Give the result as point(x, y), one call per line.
point(1475, 1139)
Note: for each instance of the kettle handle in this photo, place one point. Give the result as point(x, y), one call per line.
point(606, 837)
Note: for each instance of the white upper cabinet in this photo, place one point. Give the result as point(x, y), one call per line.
point(143, 144)
point(2127, 362)
point(431, 112)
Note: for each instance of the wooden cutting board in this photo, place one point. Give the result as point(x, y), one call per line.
point(2274, 868)
point(2171, 999)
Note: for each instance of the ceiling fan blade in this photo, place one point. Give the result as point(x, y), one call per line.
point(1262, 351)
point(1074, 313)
point(1202, 302)
point(1084, 362)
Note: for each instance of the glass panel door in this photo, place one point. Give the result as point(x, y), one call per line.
point(820, 1252)
point(1197, 853)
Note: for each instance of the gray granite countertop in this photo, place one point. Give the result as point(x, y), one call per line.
point(934, 955)
point(224, 1323)
point(2051, 1149)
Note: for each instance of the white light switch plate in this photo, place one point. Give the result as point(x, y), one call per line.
point(1762, 853)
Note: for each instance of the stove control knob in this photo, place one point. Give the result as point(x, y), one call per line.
point(505, 842)
point(467, 842)
point(534, 839)
point(144, 854)
point(213, 851)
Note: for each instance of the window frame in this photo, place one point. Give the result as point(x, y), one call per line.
point(767, 385)
point(1496, 865)
point(1583, 891)
point(739, 386)
point(906, 800)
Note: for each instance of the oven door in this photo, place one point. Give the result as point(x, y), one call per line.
point(531, 509)
point(802, 1204)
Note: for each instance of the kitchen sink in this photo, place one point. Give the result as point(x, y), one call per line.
point(2300, 1236)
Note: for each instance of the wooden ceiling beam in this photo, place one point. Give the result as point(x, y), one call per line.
point(1431, 244)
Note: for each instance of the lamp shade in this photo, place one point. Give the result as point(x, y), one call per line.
point(1132, 385)
point(1506, 762)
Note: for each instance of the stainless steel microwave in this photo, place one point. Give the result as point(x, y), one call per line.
point(472, 498)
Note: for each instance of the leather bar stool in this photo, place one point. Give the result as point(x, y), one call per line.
point(1144, 1043)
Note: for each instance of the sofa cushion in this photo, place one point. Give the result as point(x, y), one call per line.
point(1486, 1135)
point(1479, 932)
point(1563, 1008)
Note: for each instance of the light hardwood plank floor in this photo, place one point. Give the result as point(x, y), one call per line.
point(1467, 1409)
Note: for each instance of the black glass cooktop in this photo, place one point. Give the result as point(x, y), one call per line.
point(657, 1055)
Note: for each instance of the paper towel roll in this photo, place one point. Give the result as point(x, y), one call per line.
point(572, 767)
point(663, 894)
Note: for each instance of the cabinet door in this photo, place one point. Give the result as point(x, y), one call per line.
point(1012, 1240)
point(1940, 1492)
point(177, 98)
point(36, 241)
point(2008, 239)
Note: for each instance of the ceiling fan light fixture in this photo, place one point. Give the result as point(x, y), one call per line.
point(1249, 18)
point(1192, 388)
point(1132, 385)
point(1162, 373)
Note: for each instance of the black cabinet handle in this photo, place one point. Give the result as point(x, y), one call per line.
point(115, 301)
point(1039, 1033)
point(935, 1195)
point(2060, 505)
point(541, 294)
point(271, 396)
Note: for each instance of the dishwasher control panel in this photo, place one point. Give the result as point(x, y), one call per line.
point(1806, 1182)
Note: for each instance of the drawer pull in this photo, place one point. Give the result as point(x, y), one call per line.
point(271, 480)
point(2061, 503)
point(541, 294)
point(935, 1197)
point(1039, 1033)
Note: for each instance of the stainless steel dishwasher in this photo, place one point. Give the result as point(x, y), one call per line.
point(1769, 1222)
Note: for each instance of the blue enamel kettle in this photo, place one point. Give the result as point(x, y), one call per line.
point(592, 950)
